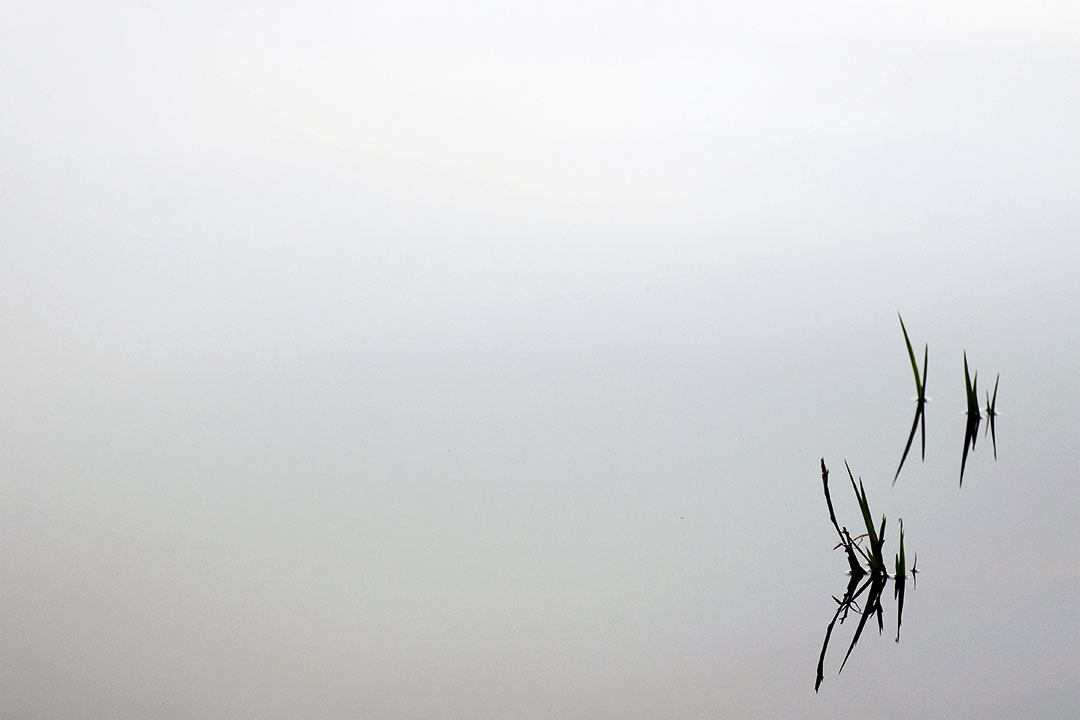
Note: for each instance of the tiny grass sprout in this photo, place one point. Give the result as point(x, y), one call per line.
point(920, 399)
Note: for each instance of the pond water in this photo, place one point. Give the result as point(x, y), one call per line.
point(412, 379)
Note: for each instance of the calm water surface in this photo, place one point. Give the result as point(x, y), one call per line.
point(354, 370)
point(618, 518)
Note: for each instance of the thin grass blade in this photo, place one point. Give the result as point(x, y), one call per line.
point(911, 355)
point(864, 506)
point(991, 414)
point(879, 559)
point(922, 399)
point(911, 436)
point(972, 389)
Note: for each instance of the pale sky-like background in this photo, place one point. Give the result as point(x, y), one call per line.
point(474, 359)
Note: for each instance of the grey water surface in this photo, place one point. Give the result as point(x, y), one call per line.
point(408, 361)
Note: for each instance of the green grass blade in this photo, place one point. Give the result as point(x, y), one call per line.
point(972, 389)
point(879, 559)
point(911, 355)
point(864, 506)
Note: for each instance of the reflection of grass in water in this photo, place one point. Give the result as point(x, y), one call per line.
point(873, 607)
point(971, 430)
point(873, 586)
point(920, 389)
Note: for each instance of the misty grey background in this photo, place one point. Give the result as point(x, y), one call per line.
point(394, 360)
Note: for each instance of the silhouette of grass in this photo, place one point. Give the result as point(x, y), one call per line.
point(845, 537)
point(874, 558)
point(920, 406)
point(873, 584)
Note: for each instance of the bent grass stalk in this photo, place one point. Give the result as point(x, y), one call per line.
point(845, 537)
